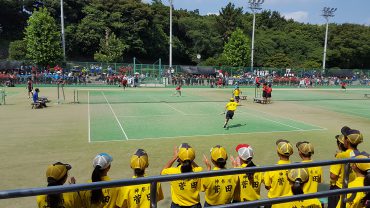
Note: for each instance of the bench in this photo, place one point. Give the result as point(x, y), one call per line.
point(243, 97)
point(35, 105)
point(44, 99)
point(258, 100)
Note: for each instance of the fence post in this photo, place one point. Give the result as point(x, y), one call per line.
point(153, 195)
point(347, 171)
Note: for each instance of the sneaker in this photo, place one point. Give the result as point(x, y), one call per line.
point(225, 126)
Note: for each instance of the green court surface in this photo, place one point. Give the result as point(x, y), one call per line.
point(115, 116)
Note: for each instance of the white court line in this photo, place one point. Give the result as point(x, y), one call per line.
point(176, 109)
point(88, 115)
point(211, 135)
point(119, 123)
point(164, 115)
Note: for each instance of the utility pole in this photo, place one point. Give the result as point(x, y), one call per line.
point(327, 12)
point(170, 58)
point(62, 25)
point(254, 5)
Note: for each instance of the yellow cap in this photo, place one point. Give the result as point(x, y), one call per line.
point(186, 152)
point(218, 152)
point(231, 99)
point(57, 171)
point(305, 148)
point(340, 138)
point(139, 160)
point(299, 173)
point(284, 147)
point(363, 166)
point(354, 136)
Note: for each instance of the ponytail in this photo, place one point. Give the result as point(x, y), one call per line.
point(139, 173)
point(55, 200)
point(96, 195)
point(221, 163)
point(186, 166)
point(297, 187)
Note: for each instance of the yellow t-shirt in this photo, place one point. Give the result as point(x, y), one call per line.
point(248, 190)
point(69, 200)
point(231, 106)
point(109, 199)
point(236, 92)
point(315, 177)
point(137, 196)
point(357, 201)
point(338, 169)
point(308, 203)
point(277, 181)
point(219, 189)
point(184, 192)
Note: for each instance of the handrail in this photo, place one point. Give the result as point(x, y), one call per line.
point(165, 178)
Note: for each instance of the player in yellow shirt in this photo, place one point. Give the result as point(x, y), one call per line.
point(306, 150)
point(57, 175)
point(249, 186)
point(184, 193)
point(351, 138)
point(230, 108)
point(219, 189)
point(105, 197)
point(362, 171)
point(236, 94)
point(297, 178)
point(137, 196)
point(276, 182)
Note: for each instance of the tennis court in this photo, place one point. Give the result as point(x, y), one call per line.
point(117, 115)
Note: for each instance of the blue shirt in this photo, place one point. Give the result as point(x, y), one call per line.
point(35, 97)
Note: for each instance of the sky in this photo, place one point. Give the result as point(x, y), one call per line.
point(306, 11)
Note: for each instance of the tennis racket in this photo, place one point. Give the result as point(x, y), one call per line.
point(222, 113)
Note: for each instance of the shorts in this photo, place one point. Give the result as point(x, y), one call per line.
point(343, 87)
point(229, 114)
point(237, 98)
point(268, 95)
point(29, 89)
point(173, 205)
point(264, 94)
point(258, 85)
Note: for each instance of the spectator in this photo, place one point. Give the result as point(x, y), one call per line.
point(219, 189)
point(276, 182)
point(306, 150)
point(138, 195)
point(105, 197)
point(297, 178)
point(184, 193)
point(362, 171)
point(57, 175)
point(249, 186)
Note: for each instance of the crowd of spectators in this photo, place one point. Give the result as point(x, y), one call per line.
point(223, 189)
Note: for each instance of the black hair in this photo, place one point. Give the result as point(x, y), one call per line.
point(55, 200)
point(354, 146)
point(367, 183)
point(186, 166)
point(138, 172)
point(306, 155)
point(341, 146)
point(297, 187)
point(97, 194)
point(250, 176)
point(221, 163)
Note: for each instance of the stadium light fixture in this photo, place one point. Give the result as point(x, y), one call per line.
point(327, 12)
point(170, 52)
point(62, 30)
point(254, 5)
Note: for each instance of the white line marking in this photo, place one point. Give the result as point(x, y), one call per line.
point(176, 109)
point(119, 123)
point(164, 115)
point(210, 135)
point(88, 115)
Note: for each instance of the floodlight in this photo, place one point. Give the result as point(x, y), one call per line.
point(326, 13)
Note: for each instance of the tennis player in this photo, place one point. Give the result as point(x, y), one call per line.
point(30, 87)
point(57, 175)
point(249, 187)
point(219, 189)
point(230, 108)
point(297, 178)
point(306, 150)
point(138, 195)
point(236, 94)
point(178, 90)
point(105, 197)
point(184, 193)
point(276, 182)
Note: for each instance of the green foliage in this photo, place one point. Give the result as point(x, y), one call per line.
point(311, 65)
point(279, 60)
point(111, 49)
point(17, 50)
point(237, 49)
point(43, 39)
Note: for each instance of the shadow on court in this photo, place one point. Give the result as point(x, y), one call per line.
point(235, 126)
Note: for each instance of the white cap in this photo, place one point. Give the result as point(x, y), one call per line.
point(245, 151)
point(103, 160)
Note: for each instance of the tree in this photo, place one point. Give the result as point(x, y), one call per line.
point(111, 49)
point(43, 39)
point(279, 60)
point(17, 50)
point(237, 51)
point(229, 19)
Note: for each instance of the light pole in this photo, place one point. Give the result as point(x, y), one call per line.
point(254, 5)
point(62, 25)
point(170, 58)
point(326, 13)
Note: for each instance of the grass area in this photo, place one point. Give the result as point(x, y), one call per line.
point(153, 120)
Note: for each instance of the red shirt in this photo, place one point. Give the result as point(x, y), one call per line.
point(269, 90)
point(178, 88)
point(265, 88)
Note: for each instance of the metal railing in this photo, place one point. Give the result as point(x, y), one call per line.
point(153, 180)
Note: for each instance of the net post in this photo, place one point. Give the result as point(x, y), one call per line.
point(153, 195)
point(347, 170)
point(58, 92)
